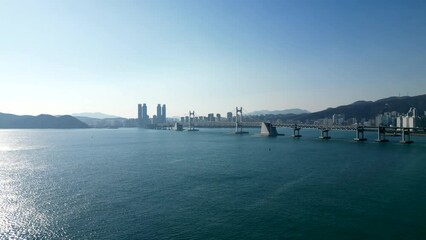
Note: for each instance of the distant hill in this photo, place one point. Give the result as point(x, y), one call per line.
point(40, 121)
point(96, 122)
point(96, 115)
point(279, 112)
point(370, 109)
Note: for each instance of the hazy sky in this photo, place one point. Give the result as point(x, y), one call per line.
point(62, 57)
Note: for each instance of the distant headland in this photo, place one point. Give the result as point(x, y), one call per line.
point(10, 121)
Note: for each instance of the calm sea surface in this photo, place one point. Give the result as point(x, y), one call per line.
point(147, 184)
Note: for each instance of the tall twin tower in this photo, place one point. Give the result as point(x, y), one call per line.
point(143, 118)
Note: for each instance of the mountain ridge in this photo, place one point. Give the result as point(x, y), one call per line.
point(370, 109)
point(11, 121)
point(96, 115)
point(279, 112)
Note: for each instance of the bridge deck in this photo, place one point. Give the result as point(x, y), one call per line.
point(292, 125)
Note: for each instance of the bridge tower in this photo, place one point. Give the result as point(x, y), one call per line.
point(191, 121)
point(239, 120)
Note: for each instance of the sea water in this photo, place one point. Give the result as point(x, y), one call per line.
point(211, 184)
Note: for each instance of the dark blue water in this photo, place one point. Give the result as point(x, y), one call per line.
point(147, 184)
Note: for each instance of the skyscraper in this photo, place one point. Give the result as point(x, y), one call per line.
point(158, 120)
point(140, 116)
point(145, 113)
point(163, 113)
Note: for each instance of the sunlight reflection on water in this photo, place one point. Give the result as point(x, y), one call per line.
point(21, 215)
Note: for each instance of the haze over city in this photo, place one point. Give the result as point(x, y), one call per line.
point(62, 57)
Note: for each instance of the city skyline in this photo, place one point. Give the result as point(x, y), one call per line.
point(63, 57)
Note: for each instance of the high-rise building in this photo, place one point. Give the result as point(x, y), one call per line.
point(139, 111)
point(211, 117)
point(145, 113)
point(229, 116)
point(338, 119)
point(158, 120)
point(218, 117)
point(143, 118)
point(140, 118)
point(410, 120)
point(163, 113)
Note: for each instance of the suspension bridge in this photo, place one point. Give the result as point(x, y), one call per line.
point(269, 129)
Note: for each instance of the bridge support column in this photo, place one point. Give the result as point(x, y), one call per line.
point(296, 132)
point(324, 134)
point(360, 135)
point(405, 136)
point(381, 135)
point(267, 129)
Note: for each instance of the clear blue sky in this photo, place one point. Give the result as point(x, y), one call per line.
point(62, 57)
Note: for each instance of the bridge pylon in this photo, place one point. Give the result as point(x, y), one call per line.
point(191, 122)
point(239, 120)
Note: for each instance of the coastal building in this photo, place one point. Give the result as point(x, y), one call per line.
point(163, 113)
point(145, 113)
point(143, 118)
point(326, 121)
point(338, 119)
point(410, 120)
point(140, 118)
point(387, 119)
point(351, 121)
point(229, 116)
point(218, 117)
point(158, 119)
point(210, 117)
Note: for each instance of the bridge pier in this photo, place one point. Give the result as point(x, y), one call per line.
point(324, 134)
point(405, 136)
point(296, 132)
point(267, 129)
point(381, 135)
point(177, 127)
point(360, 135)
